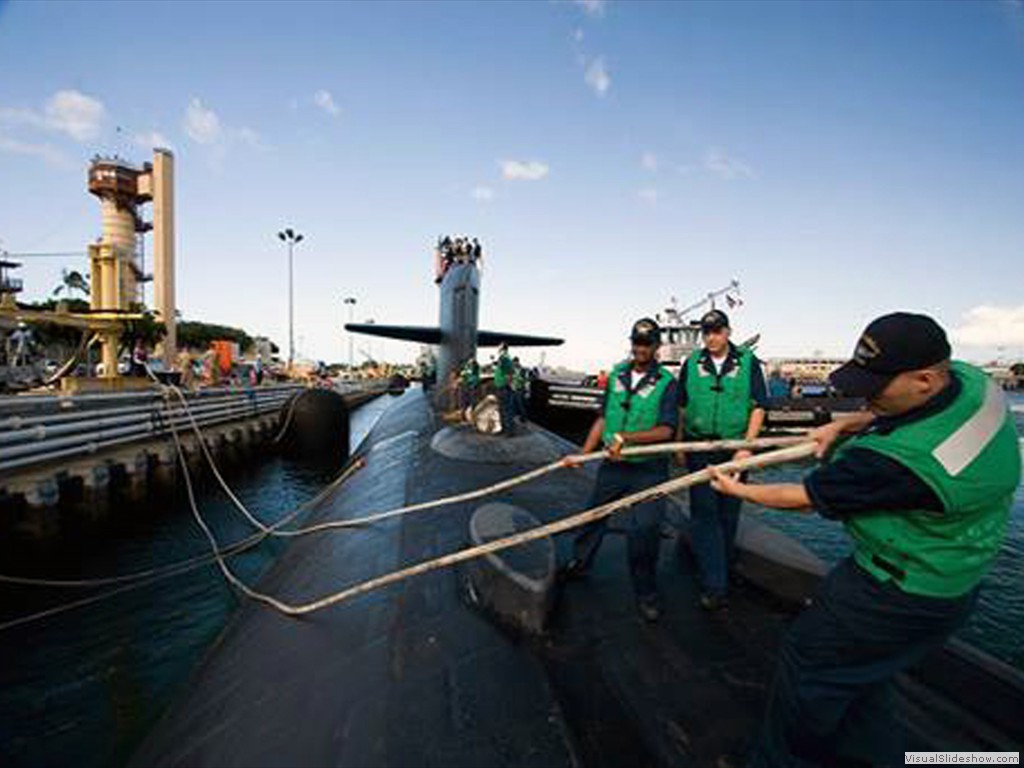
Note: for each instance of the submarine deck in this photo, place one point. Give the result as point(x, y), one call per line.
point(413, 675)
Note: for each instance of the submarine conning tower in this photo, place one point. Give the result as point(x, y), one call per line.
point(459, 316)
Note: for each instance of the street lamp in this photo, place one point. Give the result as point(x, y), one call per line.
point(291, 238)
point(351, 301)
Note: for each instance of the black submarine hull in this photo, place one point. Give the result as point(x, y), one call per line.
point(414, 675)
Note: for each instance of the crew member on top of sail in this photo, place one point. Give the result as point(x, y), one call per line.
point(924, 485)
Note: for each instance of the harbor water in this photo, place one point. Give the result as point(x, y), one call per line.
point(82, 687)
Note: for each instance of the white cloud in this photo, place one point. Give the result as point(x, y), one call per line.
point(47, 152)
point(325, 101)
point(201, 124)
point(249, 137)
point(483, 194)
point(517, 170)
point(649, 195)
point(726, 167)
point(989, 326)
point(79, 116)
point(649, 161)
point(597, 77)
point(151, 140)
point(14, 115)
point(69, 112)
point(593, 8)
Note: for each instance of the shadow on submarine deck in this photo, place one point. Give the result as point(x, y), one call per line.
point(411, 675)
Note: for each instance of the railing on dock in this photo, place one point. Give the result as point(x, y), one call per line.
point(36, 430)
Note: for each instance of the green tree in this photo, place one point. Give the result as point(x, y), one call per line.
point(71, 281)
point(196, 335)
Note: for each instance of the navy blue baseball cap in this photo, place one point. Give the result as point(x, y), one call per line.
point(714, 320)
point(889, 346)
point(645, 331)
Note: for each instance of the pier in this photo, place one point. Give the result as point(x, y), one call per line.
point(83, 445)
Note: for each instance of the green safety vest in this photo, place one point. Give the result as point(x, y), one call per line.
point(969, 455)
point(502, 371)
point(643, 409)
point(718, 406)
point(519, 379)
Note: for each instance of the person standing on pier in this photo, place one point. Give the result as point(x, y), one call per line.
point(923, 481)
point(639, 409)
point(722, 396)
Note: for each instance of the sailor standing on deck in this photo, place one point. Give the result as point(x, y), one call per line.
point(469, 380)
point(503, 385)
point(923, 485)
point(722, 396)
point(639, 408)
point(520, 383)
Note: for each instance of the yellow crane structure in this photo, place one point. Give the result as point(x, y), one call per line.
point(116, 261)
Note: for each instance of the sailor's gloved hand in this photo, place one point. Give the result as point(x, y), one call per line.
point(572, 461)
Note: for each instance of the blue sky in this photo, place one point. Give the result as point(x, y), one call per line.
point(840, 160)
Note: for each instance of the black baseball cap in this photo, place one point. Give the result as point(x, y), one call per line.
point(645, 331)
point(713, 320)
point(889, 346)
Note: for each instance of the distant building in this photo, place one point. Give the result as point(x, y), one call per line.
point(262, 348)
point(804, 369)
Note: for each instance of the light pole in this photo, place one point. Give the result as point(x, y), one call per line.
point(291, 238)
point(351, 301)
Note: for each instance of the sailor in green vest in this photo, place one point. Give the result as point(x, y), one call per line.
point(923, 482)
point(469, 380)
point(503, 388)
point(519, 385)
point(639, 408)
point(723, 396)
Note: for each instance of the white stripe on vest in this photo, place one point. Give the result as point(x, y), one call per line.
point(963, 446)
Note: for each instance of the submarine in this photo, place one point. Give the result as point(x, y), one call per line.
point(456, 336)
point(496, 663)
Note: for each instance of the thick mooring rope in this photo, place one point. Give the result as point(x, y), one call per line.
point(793, 453)
point(479, 493)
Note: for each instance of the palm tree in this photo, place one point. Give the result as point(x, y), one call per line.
point(72, 281)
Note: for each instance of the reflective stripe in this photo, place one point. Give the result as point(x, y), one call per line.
point(963, 446)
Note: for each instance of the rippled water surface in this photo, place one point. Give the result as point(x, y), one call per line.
point(81, 688)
